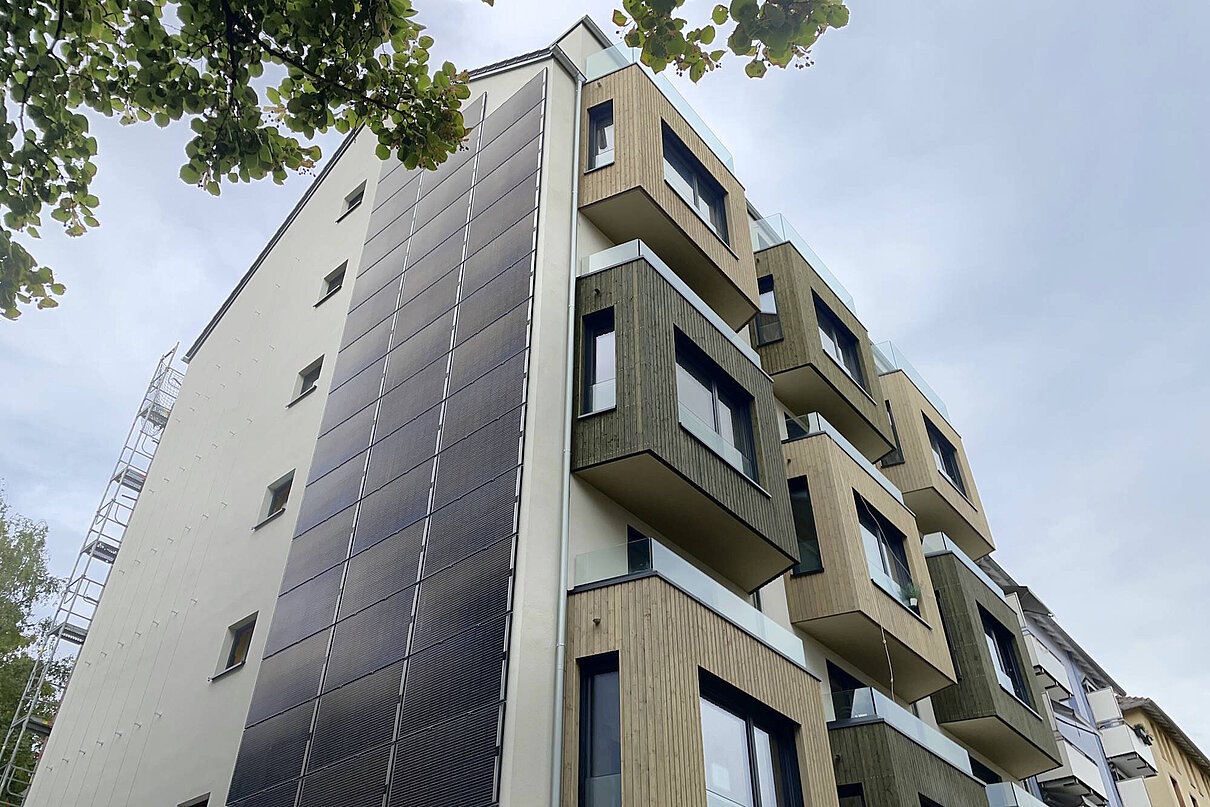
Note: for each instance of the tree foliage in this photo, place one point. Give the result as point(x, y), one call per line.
point(258, 79)
point(25, 583)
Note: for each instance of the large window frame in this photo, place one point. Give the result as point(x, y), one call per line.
point(945, 456)
point(715, 409)
point(600, 765)
point(1005, 656)
point(886, 554)
point(762, 751)
point(600, 362)
point(839, 343)
point(693, 183)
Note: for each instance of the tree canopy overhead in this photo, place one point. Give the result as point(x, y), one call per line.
point(259, 79)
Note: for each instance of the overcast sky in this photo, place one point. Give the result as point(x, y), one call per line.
point(1018, 195)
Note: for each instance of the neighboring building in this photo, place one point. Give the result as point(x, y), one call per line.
point(1183, 778)
point(557, 474)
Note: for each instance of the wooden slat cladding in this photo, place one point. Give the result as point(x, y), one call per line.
point(639, 110)
point(648, 312)
point(796, 285)
point(978, 694)
point(663, 639)
point(917, 476)
point(894, 771)
point(841, 605)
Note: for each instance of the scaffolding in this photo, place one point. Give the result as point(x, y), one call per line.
point(66, 632)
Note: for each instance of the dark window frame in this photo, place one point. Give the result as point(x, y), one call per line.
point(333, 282)
point(237, 653)
point(601, 123)
point(597, 325)
point(704, 191)
point(768, 320)
point(803, 514)
point(851, 791)
point(353, 200)
point(726, 395)
point(590, 668)
point(780, 730)
point(892, 552)
point(895, 455)
point(945, 456)
point(1005, 656)
point(847, 344)
point(278, 489)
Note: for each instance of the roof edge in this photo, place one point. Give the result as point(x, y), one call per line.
point(1156, 713)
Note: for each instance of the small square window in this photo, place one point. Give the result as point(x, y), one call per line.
point(333, 282)
point(200, 801)
point(275, 498)
point(353, 200)
point(236, 646)
point(307, 381)
point(600, 133)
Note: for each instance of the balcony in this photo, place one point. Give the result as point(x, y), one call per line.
point(1134, 793)
point(646, 454)
point(671, 628)
point(631, 195)
point(1076, 778)
point(1049, 668)
point(852, 603)
point(1127, 752)
point(988, 710)
point(648, 557)
point(930, 465)
point(1011, 794)
point(892, 753)
point(820, 356)
point(1103, 703)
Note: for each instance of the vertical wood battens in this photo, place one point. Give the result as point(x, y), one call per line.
point(663, 639)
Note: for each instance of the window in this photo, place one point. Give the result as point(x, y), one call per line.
point(714, 408)
point(885, 554)
point(276, 497)
point(600, 132)
point(984, 774)
point(1176, 788)
point(768, 323)
point(804, 527)
point(925, 801)
point(600, 733)
point(839, 343)
point(638, 551)
point(851, 795)
point(749, 755)
point(353, 200)
point(844, 688)
point(600, 362)
point(200, 801)
point(1003, 649)
point(895, 456)
point(333, 282)
point(239, 639)
point(945, 456)
point(308, 378)
point(693, 183)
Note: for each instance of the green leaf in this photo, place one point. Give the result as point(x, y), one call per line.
point(720, 15)
point(755, 69)
point(620, 19)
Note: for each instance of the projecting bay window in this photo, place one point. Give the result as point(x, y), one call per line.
point(1003, 649)
point(839, 343)
point(600, 134)
point(693, 183)
point(804, 526)
point(750, 761)
point(600, 733)
point(714, 408)
point(600, 362)
point(885, 555)
point(945, 456)
point(768, 323)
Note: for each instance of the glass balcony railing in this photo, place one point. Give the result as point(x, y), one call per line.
point(888, 359)
point(615, 58)
point(938, 543)
point(870, 704)
point(773, 230)
point(651, 556)
point(1011, 794)
point(809, 425)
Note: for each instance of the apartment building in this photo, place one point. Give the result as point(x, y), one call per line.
point(1182, 769)
point(559, 475)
